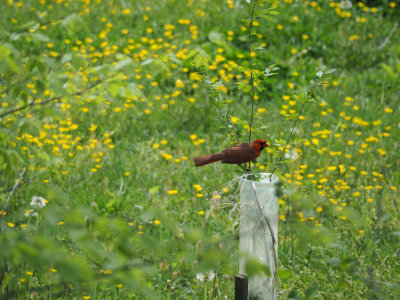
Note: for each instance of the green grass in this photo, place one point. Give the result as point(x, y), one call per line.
point(124, 217)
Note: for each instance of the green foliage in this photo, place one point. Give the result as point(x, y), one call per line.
point(102, 103)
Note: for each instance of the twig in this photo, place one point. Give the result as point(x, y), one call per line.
point(33, 103)
point(5, 268)
point(288, 140)
point(251, 76)
point(387, 39)
point(12, 192)
point(80, 92)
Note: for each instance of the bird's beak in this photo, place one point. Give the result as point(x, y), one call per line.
point(265, 145)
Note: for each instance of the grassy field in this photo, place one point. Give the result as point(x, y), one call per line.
point(101, 197)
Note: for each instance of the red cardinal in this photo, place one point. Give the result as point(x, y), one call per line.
point(237, 154)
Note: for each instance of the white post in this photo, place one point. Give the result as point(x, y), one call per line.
point(259, 233)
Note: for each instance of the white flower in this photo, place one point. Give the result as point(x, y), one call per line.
point(292, 155)
point(345, 4)
point(38, 202)
point(200, 277)
point(30, 213)
point(208, 276)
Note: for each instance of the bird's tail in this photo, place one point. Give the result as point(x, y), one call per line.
point(207, 159)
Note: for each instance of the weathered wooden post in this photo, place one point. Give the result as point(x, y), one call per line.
point(259, 233)
point(241, 287)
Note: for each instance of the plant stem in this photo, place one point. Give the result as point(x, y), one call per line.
point(251, 75)
point(12, 192)
point(288, 140)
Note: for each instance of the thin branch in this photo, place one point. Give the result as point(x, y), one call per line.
point(388, 37)
point(251, 75)
point(11, 193)
point(288, 140)
point(33, 103)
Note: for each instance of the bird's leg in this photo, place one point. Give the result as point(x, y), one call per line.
point(248, 170)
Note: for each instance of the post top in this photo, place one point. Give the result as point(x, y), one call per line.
point(265, 178)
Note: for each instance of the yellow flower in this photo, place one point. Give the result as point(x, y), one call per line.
point(127, 173)
point(304, 37)
point(201, 212)
point(282, 217)
point(155, 146)
point(315, 141)
point(157, 222)
point(53, 270)
point(173, 192)
point(197, 187)
point(261, 110)
point(164, 142)
point(319, 209)
point(381, 151)
point(179, 83)
point(92, 127)
point(388, 110)
point(166, 156)
point(60, 223)
point(10, 224)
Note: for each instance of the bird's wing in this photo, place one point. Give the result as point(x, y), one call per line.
point(239, 154)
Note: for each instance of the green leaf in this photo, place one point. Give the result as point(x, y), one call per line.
point(122, 64)
point(40, 37)
point(74, 24)
point(5, 56)
point(79, 61)
point(284, 274)
point(217, 38)
point(254, 267)
point(67, 57)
